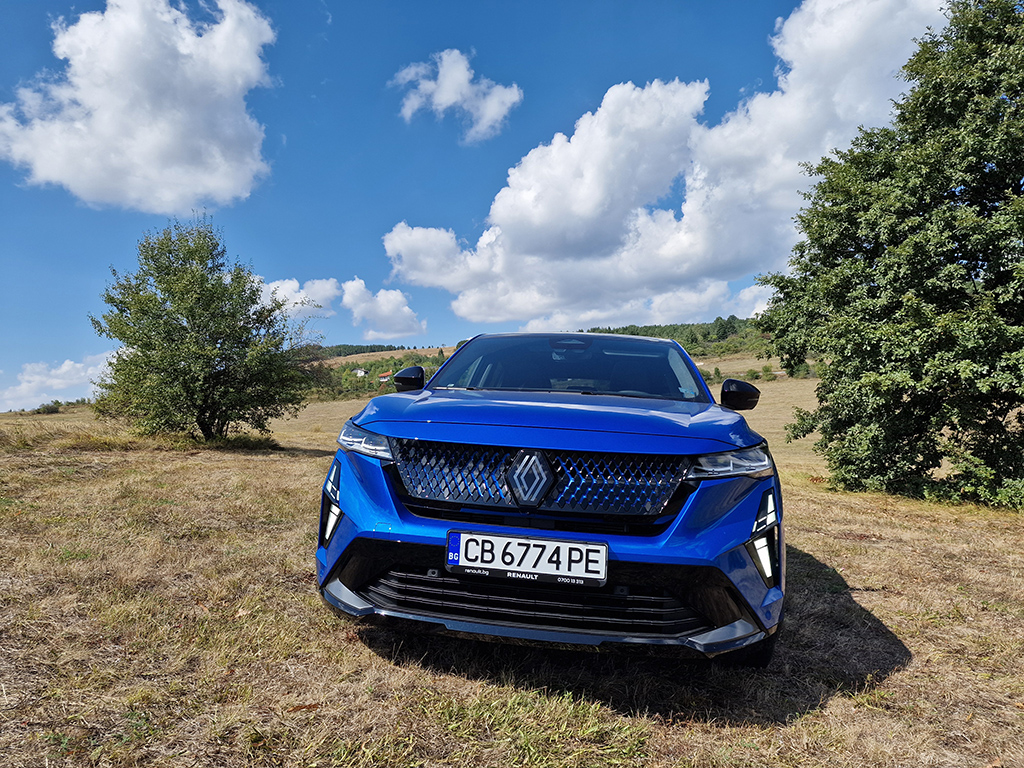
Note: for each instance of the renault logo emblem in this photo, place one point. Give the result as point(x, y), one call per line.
point(530, 478)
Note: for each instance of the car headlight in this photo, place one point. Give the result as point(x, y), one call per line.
point(748, 462)
point(353, 438)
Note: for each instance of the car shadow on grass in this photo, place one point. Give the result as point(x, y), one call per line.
point(312, 453)
point(267, 447)
point(829, 646)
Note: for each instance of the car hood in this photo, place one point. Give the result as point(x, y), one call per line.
point(558, 421)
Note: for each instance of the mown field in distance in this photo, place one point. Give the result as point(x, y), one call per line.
point(363, 357)
point(158, 608)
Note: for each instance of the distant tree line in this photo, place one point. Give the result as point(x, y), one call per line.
point(723, 336)
point(54, 406)
point(344, 350)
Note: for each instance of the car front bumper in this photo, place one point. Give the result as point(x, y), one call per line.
point(695, 585)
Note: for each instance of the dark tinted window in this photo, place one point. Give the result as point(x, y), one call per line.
point(582, 363)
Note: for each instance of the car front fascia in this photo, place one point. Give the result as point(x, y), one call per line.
point(711, 530)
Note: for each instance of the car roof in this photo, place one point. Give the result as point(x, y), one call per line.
point(570, 335)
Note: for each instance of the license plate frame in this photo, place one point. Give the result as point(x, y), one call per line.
point(527, 558)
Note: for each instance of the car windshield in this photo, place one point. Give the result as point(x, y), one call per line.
point(584, 363)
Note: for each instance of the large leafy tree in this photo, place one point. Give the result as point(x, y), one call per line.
point(908, 284)
point(202, 348)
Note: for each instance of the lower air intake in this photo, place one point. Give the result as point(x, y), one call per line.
point(648, 613)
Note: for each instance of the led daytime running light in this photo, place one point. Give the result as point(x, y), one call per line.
point(333, 516)
point(765, 558)
point(766, 515)
point(332, 484)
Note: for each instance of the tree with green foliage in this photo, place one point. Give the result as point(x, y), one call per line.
point(724, 336)
point(908, 284)
point(202, 348)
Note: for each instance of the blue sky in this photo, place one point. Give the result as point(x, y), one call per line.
point(423, 171)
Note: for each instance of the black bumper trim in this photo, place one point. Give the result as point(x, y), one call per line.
point(692, 606)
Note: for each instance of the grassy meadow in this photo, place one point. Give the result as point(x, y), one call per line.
point(158, 608)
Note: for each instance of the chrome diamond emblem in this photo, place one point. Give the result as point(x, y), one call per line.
point(530, 478)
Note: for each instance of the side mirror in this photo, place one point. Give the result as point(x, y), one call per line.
point(739, 395)
point(409, 379)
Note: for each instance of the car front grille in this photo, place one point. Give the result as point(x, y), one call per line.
point(583, 483)
point(426, 592)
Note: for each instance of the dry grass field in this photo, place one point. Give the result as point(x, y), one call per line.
point(158, 608)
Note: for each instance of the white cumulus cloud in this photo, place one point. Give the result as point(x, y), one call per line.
point(40, 383)
point(312, 298)
point(387, 312)
point(149, 112)
point(447, 83)
point(577, 236)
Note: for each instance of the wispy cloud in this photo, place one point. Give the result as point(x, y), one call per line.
point(149, 112)
point(448, 83)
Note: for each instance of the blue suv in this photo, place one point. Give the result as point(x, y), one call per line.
point(565, 488)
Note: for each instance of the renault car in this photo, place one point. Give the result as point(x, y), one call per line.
point(581, 489)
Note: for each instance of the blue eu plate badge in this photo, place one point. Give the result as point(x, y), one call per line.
point(454, 546)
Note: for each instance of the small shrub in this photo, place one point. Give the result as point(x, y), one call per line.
point(801, 371)
point(711, 378)
point(1011, 494)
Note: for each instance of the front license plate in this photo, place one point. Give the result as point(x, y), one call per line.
point(527, 559)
